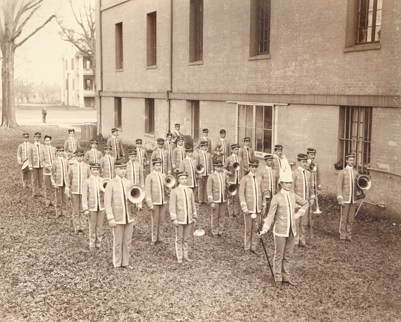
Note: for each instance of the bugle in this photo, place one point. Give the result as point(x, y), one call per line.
point(169, 181)
point(136, 194)
point(103, 183)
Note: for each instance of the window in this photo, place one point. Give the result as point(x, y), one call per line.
point(151, 39)
point(369, 21)
point(149, 115)
point(72, 63)
point(355, 135)
point(256, 122)
point(117, 112)
point(260, 27)
point(73, 84)
point(66, 64)
point(119, 46)
point(195, 112)
point(196, 31)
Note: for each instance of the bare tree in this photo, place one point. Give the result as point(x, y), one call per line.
point(14, 14)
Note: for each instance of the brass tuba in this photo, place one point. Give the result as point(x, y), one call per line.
point(136, 194)
point(363, 183)
point(103, 183)
point(169, 181)
point(232, 189)
point(236, 166)
point(199, 169)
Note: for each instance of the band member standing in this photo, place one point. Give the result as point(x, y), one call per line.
point(93, 206)
point(161, 154)
point(182, 214)
point(134, 169)
point(205, 137)
point(282, 214)
point(93, 155)
point(48, 154)
point(120, 216)
point(169, 146)
point(188, 165)
point(204, 159)
point(222, 148)
point(60, 177)
point(71, 144)
point(247, 154)
point(107, 163)
point(117, 149)
point(268, 181)
point(22, 157)
point(311, 152)
point(235, 168)
point(34, 156)
point(302, 187)
point(216, 191)
point(77, 174)
point(156, 199)
point(346, 196)
point(178, 154)
point(177, 132)
point(250, 196)
point(142, 154)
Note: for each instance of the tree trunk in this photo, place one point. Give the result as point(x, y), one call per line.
point(7, 76)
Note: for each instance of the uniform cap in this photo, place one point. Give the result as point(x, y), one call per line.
point(120, 164)
point(182, 174)
point(302, 156)
point(268, 156)
point(80, 152)
point(94, 165)
point(157, 160)
point(71, 131)
point(310, 150)
point(278, 147)
point(254, 163)
point(25, 135)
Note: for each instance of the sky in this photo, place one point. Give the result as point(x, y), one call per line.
point(39, 59)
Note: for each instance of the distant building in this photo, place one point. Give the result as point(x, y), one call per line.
point(78, 79)
point(304, 74)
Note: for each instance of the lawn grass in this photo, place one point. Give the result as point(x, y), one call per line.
point(48, 273)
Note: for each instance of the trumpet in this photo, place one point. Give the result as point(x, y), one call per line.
point(103, 183)
point(136, 194)
point(169, 181)
point(199, 169)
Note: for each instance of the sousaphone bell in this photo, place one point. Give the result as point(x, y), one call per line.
point(232, 189)
point(136, 194)
point(169, 181)
point(199, 169)
point(103, 183)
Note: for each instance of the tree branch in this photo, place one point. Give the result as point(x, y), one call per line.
point(19, 29)
point(34, 32)
point(24, 8)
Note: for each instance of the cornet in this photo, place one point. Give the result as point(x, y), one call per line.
point(169, 181)
point(103, 183)
point(199, 169)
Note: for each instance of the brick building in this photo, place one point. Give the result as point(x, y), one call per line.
point(312, 73)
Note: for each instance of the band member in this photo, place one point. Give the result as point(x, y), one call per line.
point(216, 191)
point(188, 165)
point(247, 154)
point(134, 172)
point(78, 172)
point(178, 154)
point(120, 215)
point(177, 132)
point(235, 168)
point(205, 160)
point(222, 148)
point(93, 206)
point(142, 154)
point(250, 196)
point(205, 137)
point(282, 214)
point(311, 152)
point(93, 155)
point(34, 156)
point(107, 163)
point(22, 157)
point(117, 149)
point(48, 154)
point(156, 199)
point(60, 177)
point(161, 154)
point(71, 144)
point(269, 183)
point(182, 214)
point(169, 146)
point(346, 196)
point(302, 187)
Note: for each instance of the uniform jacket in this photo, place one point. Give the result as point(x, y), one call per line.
point(116, 201)
point(134, 173)
point(22, 152)
point(176, 135)
point(188, 165)
point(248, 197)
point(107, 166)
point(164, 156)
point(178, 156)
point(77, 174)
point(237, 175)
point(299, 185)
point(155, 192)
point(92, 196)
point(246, 154)
point(205, 160)
point(34, 155)
point(216, 187)
point(269, 182)
point(169, 146)
point(280, 216)
point(142, 156)
point(182, 205)
point(117, 149)
point(93, 156)
point(71, 145)
point(276, 162)
point(346, 185)
point(225, 151)
point(47, 158)
point(60, 171)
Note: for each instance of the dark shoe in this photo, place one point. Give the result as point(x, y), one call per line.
point(127, 267)
point(76, 231)
point(254, 252)
point(289, 283)
point(349, 239)
point(153, 243)
point(304, 246)
point(188, 259)
point(81, 232)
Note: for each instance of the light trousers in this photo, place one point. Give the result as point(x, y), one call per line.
point(26, 177)
point(251, 231)
point(346, 220)
point(95, 228)
point(157, 222)
point(61, 201)
point(37, 181)
point(181, 240)
point(78, 218)
point(217, 220)
point(301, 224)
point(49, 190)
point(284, 247)
point(202, 189)
point(122, 238)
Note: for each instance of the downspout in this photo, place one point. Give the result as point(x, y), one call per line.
point(170, 90)
point(99, 67)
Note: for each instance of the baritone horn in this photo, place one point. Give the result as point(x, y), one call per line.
point(363, 183)
point(199, 169)
point(136, 194)
point(103, 183)
point(169, 181)
point(236, 166)
point(232, 189)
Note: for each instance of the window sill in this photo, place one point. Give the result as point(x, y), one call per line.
point(195, 63)
point(120, 70)
point(151, 67)
point(364, 47)
point(149, 135)
point(259, 57)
